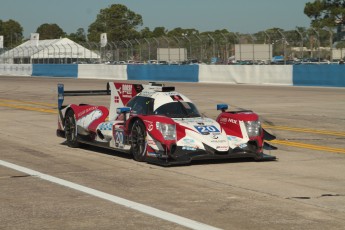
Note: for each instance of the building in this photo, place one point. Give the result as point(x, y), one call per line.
point(52, 51)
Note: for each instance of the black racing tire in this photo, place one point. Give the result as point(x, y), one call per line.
point(138, 141)
point(71, 131)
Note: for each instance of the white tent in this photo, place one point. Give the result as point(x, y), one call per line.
point(61, 50)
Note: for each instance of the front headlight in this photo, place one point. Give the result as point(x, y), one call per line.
point(168, 130)
point(253, 128)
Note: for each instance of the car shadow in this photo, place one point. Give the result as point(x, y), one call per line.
point(102, 150)
point(112, 152)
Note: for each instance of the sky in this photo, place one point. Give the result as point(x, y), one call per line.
point(243, 16)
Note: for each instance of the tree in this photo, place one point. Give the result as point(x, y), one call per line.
point(146, 33)
point(178, 32)
point(117, 21)
point(12, 32)
point(323, 13)
point(159, 32)
point(50, 31)
point(79, 36)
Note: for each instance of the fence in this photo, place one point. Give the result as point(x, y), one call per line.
point(216, 48)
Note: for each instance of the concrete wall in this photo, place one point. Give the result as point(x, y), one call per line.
point(296, 75)
point(15, 69)
point(55, 70)
point(180, 73)
point(246, 74)
point(319, 75)
point(113, 72)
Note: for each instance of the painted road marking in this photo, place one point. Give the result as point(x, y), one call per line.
point(281, 142)
point(28, 102)
point(29, 108)
point(28, 105)
point(304, 130)
point(115, 199)
point(308, 146)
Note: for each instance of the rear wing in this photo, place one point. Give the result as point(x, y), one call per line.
point(62, 93)
point(120, 93)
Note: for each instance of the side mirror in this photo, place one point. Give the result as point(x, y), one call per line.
point(222, 107)
point(123, 110)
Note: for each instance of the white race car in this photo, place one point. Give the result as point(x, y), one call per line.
point(156, 124)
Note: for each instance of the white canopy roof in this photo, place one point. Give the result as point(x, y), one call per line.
point(51, 48)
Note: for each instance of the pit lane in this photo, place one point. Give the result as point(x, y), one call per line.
point(303, 189)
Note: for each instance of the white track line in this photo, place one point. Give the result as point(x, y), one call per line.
point(115, 199)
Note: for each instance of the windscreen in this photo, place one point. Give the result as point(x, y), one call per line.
point(178, 109)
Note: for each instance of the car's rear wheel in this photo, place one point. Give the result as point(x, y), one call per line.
point(71, 131)
point(138, 141)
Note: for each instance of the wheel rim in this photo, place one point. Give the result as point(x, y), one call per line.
point(70, 128)
point(138, 140)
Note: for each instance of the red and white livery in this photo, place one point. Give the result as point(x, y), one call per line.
point(156, 124)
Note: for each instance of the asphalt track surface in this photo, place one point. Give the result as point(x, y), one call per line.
point(303, 189)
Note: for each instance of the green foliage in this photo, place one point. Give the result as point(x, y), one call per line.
point(159, 32)
point(340, 45)
point(50, 31)
point(79, 36)
point(12, 32)
point(179, 32)
point(117, 21)
point(146, 33)
point(325, 12)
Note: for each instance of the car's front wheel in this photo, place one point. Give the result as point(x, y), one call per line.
point(71, 131)
point(138, 141)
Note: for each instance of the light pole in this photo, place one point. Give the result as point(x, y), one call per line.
point(284, 43)
point(226, 47)
point(239, 43)
point(139, 48)
point(318, 41)
point(330, 42)
point(166, 39)
point(269, 46)
point(201, 54)
point(301, 35)
point(158, 57)
point(179, 50)
point(190, 45)
point(149, 47)
point(253, 41)
point(213, 45)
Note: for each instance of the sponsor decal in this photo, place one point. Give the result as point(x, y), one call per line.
point(119, 138)
point(215, 135)
point(243, 145)
point(86, 120)
point(223, 120)
point(126, 90)
point(149, 125)
point(188, 148)
point(222, 148)
point(218, 141)
point(206, 129)
point(82, 113)
point(232, 138)
point(116, 99)
point(230, 120)
point(152, 154)
point(188, 141)
point(151, 142)
point(105, 126)
point(176, 98)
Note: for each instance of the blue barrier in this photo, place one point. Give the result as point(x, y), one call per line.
point(319, 75)
point(181, 73)
point(55, 70)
